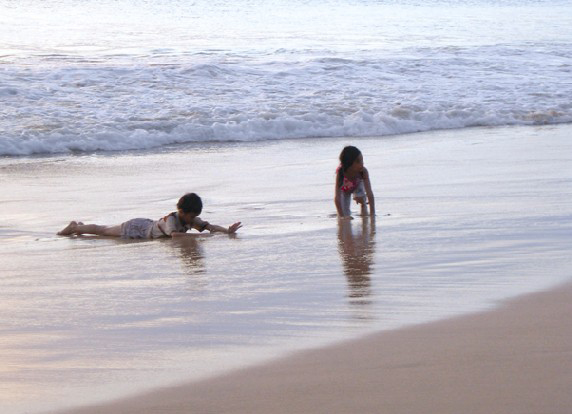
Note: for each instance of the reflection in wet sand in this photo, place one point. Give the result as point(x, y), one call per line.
point(191, 254)
point(356, 251)
point(193, 262)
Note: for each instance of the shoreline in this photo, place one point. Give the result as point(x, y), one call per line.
point(184, 147)
point(515, 358)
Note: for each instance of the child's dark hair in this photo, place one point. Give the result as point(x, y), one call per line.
point(347, 157)
point(190, 203)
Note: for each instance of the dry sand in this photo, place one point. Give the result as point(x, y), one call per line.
point(514, 360)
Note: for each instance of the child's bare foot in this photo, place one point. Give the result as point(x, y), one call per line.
point(69, 229)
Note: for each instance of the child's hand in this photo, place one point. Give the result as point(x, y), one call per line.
point(234, 227)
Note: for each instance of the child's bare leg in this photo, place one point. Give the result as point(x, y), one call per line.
point(363, 204)
point(80, 228)
point(113, 231)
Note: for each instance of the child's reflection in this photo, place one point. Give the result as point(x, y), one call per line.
point(191, 254)
point(356, 251)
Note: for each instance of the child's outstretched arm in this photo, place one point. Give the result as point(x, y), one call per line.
point(213, 228)
point(202, 225)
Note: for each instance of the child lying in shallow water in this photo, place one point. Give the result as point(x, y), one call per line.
point(175, 224)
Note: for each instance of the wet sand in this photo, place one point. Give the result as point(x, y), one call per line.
point(517, 359)
point(466, 219)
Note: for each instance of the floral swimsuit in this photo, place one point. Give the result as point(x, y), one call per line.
point(350, 185)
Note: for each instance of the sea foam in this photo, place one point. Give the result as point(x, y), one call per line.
point(155, 80)
point(95, 108)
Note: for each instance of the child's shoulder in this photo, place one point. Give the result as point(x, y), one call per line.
point(170, 219)
point(170, 216)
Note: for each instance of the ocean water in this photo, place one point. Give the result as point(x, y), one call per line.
point(109, 75)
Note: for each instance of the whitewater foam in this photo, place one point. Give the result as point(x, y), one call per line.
point(108, 91)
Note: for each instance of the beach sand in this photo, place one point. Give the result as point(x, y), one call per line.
point(466, 219)
point(517, 359)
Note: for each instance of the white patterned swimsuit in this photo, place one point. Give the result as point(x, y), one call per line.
point(144, 228)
